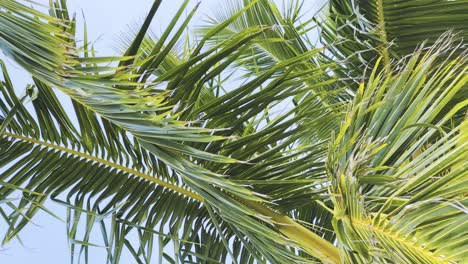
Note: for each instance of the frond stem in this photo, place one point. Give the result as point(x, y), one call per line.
point(303, 237)
point(147, 177)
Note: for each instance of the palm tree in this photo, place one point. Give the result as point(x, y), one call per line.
point(253, 144)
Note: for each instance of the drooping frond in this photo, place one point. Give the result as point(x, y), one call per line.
point(105, 178)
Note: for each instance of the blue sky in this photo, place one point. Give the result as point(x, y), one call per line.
point(45, 241)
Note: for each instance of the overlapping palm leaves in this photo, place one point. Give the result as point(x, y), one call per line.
point(233, 170)
point(288, 39)
point(365, 30)
point(398, 173)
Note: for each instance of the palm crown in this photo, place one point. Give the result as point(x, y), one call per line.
point(350, 151)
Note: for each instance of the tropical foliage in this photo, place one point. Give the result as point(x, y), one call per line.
point(252, 144)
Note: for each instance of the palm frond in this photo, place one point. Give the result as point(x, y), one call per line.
point(397, 172)
point(96, 170)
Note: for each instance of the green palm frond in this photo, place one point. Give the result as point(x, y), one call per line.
point(398, 173)
point(102, 172)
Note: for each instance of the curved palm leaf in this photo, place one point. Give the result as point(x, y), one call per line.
point(101, 172)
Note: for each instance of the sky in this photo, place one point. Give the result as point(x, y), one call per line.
point(45, 241)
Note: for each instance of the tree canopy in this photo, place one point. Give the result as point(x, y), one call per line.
point(252, 144)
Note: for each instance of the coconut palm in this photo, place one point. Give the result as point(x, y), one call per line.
point(252, 144)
